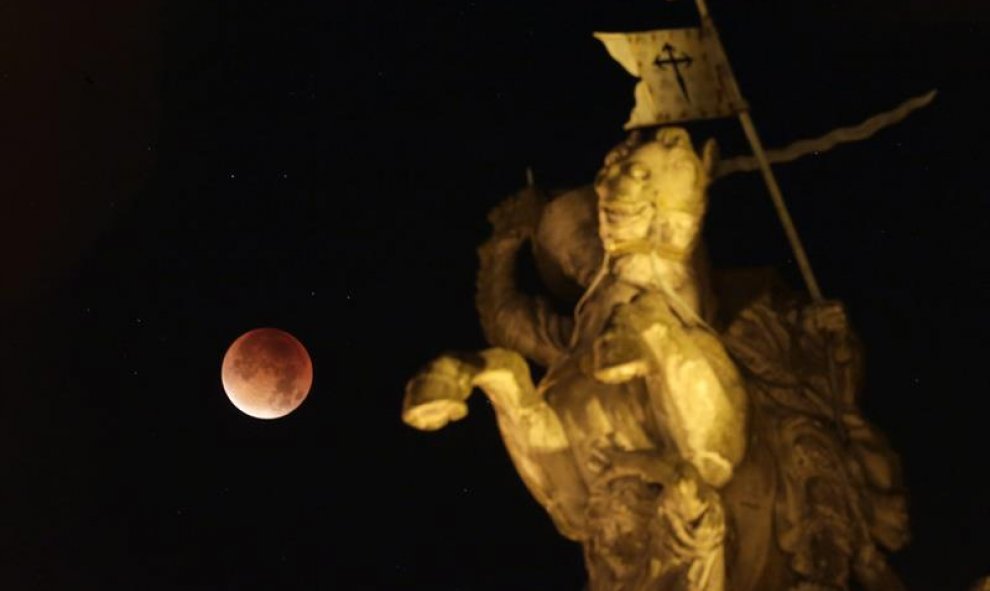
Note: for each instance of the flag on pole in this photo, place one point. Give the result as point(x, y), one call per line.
point(684, 75)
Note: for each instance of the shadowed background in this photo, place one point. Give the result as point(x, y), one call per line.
point(176, 174)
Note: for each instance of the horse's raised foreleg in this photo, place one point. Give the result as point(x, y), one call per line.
point(531, 430)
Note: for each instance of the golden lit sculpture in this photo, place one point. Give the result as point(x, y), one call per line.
point(687, 432)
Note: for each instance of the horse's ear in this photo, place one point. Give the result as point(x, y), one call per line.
point(709, 157)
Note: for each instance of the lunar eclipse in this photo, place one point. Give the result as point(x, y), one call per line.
point(267, 373)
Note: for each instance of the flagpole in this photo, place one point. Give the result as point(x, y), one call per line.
point(778, 201)
point(749, 128)
point(703, 10)
point(785, 219)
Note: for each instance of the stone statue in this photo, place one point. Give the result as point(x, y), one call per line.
point(693, 430)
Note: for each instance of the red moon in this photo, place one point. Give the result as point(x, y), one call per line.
point(267, 373)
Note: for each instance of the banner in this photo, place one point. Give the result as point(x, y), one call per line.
point(684, 75)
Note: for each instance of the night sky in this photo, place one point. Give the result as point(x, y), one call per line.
point(175, 174)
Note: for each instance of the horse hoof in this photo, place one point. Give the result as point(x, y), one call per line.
point(618, 358)
point(435, 398)
point(434, 415)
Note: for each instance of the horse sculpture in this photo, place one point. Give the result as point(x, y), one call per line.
point(693, 430)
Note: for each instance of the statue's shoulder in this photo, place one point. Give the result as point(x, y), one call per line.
point(761, 290)
point(758, 320)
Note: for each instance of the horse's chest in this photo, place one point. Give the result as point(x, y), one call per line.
point(597, 414)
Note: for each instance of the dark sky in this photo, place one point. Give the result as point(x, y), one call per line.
point(174, 175)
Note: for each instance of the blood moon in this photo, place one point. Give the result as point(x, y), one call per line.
point(267, 373)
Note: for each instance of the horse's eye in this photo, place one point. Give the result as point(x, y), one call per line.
point(638, 171)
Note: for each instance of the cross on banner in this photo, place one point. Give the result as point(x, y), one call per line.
point(683, 74)
point(673, 60)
